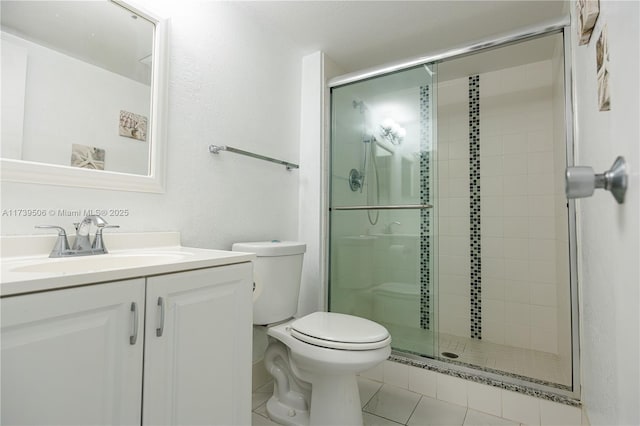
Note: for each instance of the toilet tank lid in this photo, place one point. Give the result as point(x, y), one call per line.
point(271, 248)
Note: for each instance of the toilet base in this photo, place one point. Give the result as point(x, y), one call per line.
point(335, 401)
point(285, 415)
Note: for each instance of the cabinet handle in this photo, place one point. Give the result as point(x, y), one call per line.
point(160, 329)
point(134, 336)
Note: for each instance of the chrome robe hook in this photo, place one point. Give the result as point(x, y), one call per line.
point(581, 181)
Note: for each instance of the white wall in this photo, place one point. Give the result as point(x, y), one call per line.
point(68, 101)
point(231, 82)
point(609, 233)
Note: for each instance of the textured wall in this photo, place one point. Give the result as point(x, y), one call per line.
point(610, 233)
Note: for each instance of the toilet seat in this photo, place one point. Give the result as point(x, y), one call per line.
point(339, 331)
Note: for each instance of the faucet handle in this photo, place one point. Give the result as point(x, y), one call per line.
point(62, 244)
point(98, 242)
point(61, 230)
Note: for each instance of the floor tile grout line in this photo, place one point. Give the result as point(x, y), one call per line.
point(374, 394)
point(414, 409)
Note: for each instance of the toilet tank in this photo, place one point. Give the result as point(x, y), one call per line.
point(277, 271)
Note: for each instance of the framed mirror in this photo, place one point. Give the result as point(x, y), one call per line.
point(84, 94)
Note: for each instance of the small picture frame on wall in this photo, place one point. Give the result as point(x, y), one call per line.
point(133, 125)
point(602, 71)
point(587, 12)
point(87, 157)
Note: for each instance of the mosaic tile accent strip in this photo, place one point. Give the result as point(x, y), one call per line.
point(425, 214)
point(536, 393)
point(474, 210)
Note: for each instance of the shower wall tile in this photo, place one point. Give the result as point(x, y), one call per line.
point(492, 186)
point(493, 290)
point(542, 227)
point(492, 247)
point(542, 272)
point(542, 205)
point(518, 335)
point(458, 187)
point(453, 198)
point(493, 309)
point(516, 227)
point(540, 141)
point(516, 270)
point(516, 248)
point(458, 168)
point(493, 267)
point(514, 185)
point(545, 339)
point(540, 184)
point(492, 226)
point(455, 284)
point(515, 164)
point(519, 292)
point(518, 206)
point(459, 206)
point(514, 143)
point(459, 149)
point(492, 206)
point(543, 294)
point(493, 331)
point(542, 249)
point(491, 146)
point(492, 166)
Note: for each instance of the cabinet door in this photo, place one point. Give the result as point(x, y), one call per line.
point(67, 356)
point(198, 360)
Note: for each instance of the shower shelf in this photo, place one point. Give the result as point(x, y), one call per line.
point(215, 149)
point(392, 207)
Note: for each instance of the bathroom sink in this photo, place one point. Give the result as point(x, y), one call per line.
point(25, 265)
point(98, 263)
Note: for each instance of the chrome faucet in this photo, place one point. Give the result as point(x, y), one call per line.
point(82, 242)
point(82, 246)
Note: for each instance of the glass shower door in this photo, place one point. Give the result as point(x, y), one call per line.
point(382, 222)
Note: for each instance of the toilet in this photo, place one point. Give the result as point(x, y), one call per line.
point(313, 359)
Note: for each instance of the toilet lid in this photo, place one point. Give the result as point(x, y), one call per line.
point(340, 331)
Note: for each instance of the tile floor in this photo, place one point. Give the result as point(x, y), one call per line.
point(386, 405)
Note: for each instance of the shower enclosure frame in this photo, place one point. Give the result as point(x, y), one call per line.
point(561, 26)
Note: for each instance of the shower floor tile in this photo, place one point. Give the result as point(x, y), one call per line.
point(525, 362)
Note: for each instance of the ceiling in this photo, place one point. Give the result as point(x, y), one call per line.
point(355, 34)
point(363, 34)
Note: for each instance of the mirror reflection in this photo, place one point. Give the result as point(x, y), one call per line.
point(76, 85)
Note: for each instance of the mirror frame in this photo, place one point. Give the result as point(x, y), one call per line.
point(53, 174)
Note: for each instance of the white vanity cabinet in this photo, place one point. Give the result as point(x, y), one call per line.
point(67, 356)
point(75, 355)
point(198, 347)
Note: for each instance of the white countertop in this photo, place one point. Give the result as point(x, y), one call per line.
point(130, 256)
